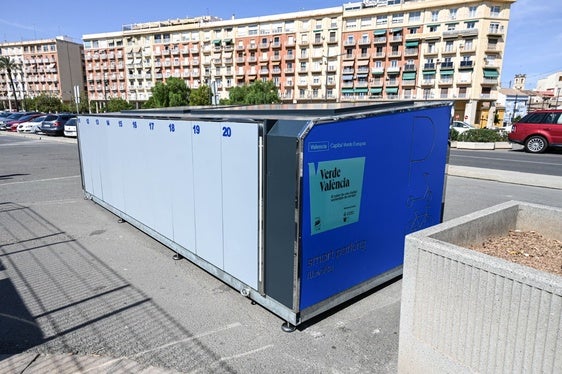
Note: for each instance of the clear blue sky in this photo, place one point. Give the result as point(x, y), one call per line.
point(533, 41)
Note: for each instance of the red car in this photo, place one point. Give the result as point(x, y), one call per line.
point(13, 125)
point(538, 130)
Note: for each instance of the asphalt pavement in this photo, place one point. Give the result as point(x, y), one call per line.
point(82, 293)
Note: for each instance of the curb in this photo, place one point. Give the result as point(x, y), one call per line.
point(513, 177)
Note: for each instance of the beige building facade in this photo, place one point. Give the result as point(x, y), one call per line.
point(364, 51)
point(50, 67)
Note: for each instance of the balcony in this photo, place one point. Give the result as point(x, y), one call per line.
point(410, 67)
point(289, 71)
point(489, 81)
point(379, 40)
point(264, 45)
point(276, 45)
point(364, 41)
point(363, 56)
point(429, 66)
point(455, 33)
point(428, 82)
point(349, 56)
point(447, 65)
point(396, 39)
point(393, 69)
point(379, 55)
point(378, 70)
point(333, 40)
point(394, 54)
point(495, 30)
point(445, 81)
point(349, 43)
point(317, 42)
point(465, 65)
point(240, 60)
point(449, 50)
point(411, 52)
point(289, 57)
point(240, 47)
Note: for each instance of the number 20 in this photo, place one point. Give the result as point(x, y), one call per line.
point(227, 132)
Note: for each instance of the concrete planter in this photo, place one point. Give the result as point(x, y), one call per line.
point(475, 145)
point(464, 312)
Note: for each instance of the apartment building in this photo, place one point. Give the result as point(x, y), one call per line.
point(363, 51)
point(50, 67)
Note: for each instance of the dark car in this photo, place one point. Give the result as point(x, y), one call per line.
point(54, 123)
point(13, 125)
point(538, 130)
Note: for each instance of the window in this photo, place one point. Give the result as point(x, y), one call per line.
point(382, 20)
point(415, 16)
point(398, 18)
point(453, 13)
point(495, 11)
point(434, 15)
point(449, 47)
point(468, 44)
point(451, 26)
point(433, 28)
point(470, 25)
point(413, 30)
point(366, 22)
point(351, 24)
point(472, 11)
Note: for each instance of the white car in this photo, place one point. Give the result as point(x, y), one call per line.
point(33, 126)
point(70, 128)
point(461, 126)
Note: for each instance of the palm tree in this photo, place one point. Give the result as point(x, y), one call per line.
point(6, 63)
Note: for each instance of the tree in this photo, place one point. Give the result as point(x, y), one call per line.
point(47, 104)
point(201, 96)
point(258, 92)
point(174, 92)
point(9, 65)
point(118, 104)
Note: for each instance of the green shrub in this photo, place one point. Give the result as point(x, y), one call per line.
point(481, 135)
point(453, 135)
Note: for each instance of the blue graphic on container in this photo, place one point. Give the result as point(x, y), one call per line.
point(399, 190)
point(335, 193)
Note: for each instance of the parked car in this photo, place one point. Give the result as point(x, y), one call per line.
point(32, 126)
point(461, 126)
point(54, 123)
point(538, 130)
point(70, 128)
point(12, 117)
point(14, 124)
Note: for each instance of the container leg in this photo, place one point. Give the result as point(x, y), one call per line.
point(177, 256)
point(287, 327)
point(121, 220)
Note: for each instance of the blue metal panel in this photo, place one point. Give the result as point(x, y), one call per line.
point(366, 184)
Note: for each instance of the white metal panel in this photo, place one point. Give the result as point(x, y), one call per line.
point(206, 139)
point(240, 200)
point(160, 165)
point(183, 203)
point(133, 153)
point(86, 152)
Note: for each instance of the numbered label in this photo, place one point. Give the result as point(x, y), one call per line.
point(196, 129)
point(172, 127)
point(120, 123)
point(226, 132)
point(151, 125)
point(135, 124)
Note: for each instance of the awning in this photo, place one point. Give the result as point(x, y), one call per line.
point(379, 32)
point(446, 72)
point(412, 43)
point(398, 29)
point(471, 21)
point(377, 72)
point(227, 41)
point(428, 71)
point(348, 63)
point(362, 62)
point(347, 90)
point(376, 90)
point(489, 73)
point(362, 75)
point(391, 90)
point(217, 42)
point(361, 90)
point(347, 77)
point(410, 75)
